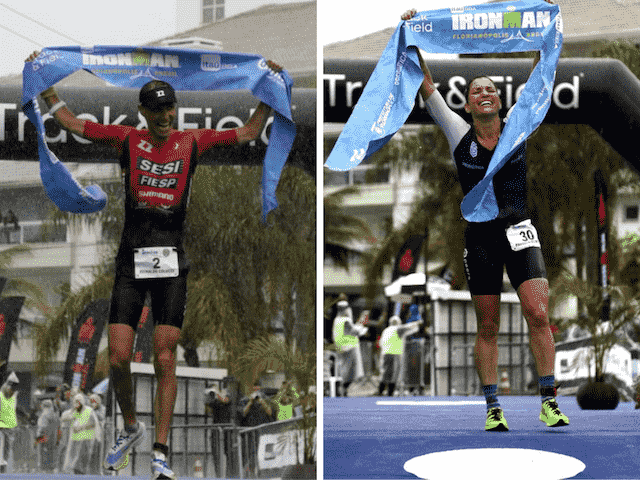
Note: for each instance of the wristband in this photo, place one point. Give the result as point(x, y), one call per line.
point(57, 107)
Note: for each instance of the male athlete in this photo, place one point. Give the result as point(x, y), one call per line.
point(157, 166)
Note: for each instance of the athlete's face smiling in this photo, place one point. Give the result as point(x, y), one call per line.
point(160, 122)
point(483, 98)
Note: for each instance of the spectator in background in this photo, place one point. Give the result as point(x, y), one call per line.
point(258, 409)
point(47, 436)
point(11, 226)
point(64, 434)
point(220, 407)
point(414, 349)
point(373, 335)
point(346, 338)
point(99, 410)
point(285, 400)
point(415, 316)
point(392, 350)
point(62, 398)
point(82, 438)
point(8, 418)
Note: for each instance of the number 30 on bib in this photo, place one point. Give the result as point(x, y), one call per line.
point(522, 235)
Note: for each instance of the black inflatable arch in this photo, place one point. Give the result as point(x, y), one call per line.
point(118, 105)
point(602, 93)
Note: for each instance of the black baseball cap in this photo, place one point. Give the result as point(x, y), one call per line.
point(155, 94)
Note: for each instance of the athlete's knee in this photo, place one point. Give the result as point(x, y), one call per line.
point(536, 315)
point(537, 318)
point(165, 361)
point(119, 359)
point(488, 329)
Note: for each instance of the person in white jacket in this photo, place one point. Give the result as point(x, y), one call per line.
point(391, 351)
point(47, 436)
point(346, 339)
point(83, 429)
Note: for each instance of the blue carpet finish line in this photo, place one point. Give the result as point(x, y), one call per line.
point(367, 437)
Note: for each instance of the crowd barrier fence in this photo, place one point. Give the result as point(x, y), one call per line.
point(210, 450)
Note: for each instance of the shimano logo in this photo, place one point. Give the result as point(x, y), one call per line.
point(164, 196)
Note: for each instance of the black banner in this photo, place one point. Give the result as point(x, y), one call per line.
point(144, 335)
point(599, 92)
point(83, 347)
point(9, 314)
point(407, 257)
point(603, 241)
point(217, 110)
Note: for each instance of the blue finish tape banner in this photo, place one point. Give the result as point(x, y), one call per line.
point(132, 67)
point(389, 96)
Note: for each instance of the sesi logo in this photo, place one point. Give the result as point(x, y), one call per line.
point(159, 168)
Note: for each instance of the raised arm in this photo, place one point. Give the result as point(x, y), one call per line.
point(253, 128)
point(60, 112)
point(427, 87)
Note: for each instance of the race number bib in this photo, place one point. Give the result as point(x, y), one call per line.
point(522, 235)
point(155, 262)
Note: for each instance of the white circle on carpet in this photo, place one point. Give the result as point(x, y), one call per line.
point(494, 464)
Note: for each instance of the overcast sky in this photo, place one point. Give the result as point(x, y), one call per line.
point(110, 22)
point(132, 22)
point(340, 20)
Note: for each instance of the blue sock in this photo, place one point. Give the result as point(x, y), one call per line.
point(490, 396)
point(547, 384)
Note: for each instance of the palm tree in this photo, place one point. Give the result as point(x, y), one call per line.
point(435, 209)
point(275, 354)
point(340, 227)
point(34, 297)
point(625, 309)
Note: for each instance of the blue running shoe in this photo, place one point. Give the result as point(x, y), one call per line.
point(159, 468)
point(118, 456)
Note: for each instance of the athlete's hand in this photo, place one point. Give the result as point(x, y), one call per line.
point(408, 15)
point(33, 56)
point(274, 66)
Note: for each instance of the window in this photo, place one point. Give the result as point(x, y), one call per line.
point(360, 175)
point(212, 11)
point(631, 213)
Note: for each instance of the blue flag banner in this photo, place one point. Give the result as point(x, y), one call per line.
point(132, 67)
point(60, 186)
point(389, 96)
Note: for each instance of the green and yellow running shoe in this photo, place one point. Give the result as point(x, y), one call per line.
point(551, 414)
point(496, 421)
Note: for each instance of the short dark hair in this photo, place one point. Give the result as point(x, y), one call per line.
point(467, 88)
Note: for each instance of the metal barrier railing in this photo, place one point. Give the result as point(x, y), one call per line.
point(221, 451)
